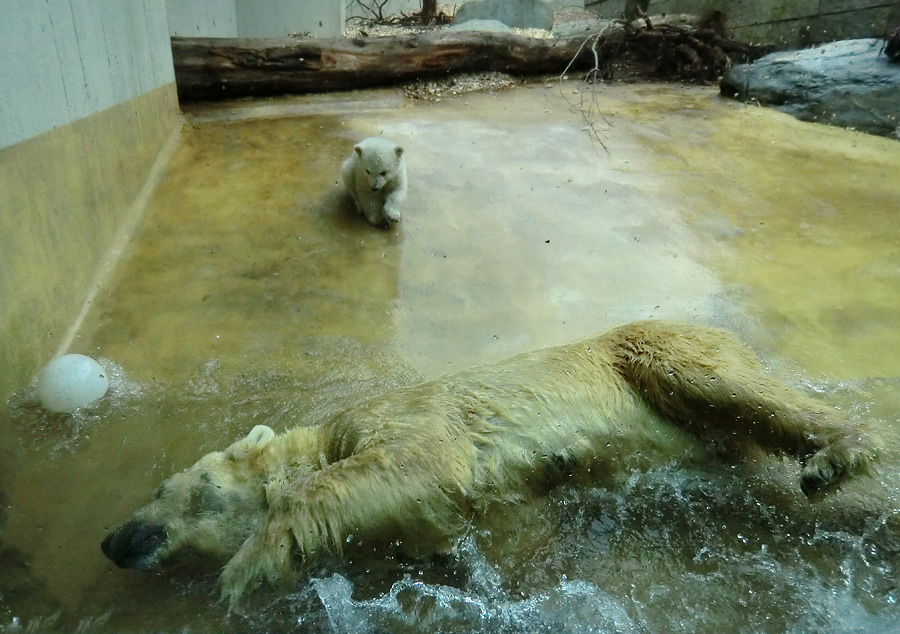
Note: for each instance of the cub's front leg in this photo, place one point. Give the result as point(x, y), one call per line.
point(371, 206)
point(395, 198)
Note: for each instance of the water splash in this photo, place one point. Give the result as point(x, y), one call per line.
point(56, 433)
point(481, 606)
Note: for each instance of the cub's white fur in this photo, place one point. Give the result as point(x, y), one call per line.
point(375, 177)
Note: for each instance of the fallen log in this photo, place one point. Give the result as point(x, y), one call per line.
point(219, 68)
point(207, 68)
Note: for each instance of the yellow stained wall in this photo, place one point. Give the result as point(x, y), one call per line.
point(68, 197)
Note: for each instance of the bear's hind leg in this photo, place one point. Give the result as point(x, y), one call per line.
point(829, 447)
point(713, 384)
point(847, 454)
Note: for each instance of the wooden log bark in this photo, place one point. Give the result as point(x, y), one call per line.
point(219, 68)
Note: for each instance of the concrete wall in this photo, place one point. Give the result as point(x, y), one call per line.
point(210, 18)
point(279, 18)
point(273, 18)
point(364, 8)
point(65, 60)
point(87, 103)
point(256, 18)
point(785, 23)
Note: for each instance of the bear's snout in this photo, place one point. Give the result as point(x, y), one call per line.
point(134, 544)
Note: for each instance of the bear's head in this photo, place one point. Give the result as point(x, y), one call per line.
point(381, 160)
point(211, 507)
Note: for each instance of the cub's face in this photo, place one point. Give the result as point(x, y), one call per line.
point(380, 161)
point(212, 507)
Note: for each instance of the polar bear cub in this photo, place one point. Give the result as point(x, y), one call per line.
point(375, 177)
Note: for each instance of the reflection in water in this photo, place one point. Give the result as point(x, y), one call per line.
point(251, 297)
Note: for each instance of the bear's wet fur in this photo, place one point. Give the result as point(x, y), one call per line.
point(418, 460)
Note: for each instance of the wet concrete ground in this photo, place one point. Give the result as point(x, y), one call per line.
point(518, 230)
point(252, 281)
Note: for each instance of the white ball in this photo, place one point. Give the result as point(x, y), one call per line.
point(71, 381)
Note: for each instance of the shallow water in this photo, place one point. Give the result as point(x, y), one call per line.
point(252, 295)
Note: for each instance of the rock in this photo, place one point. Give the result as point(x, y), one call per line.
point(479, 25)
point(850, 83)
point(589, 26)
point(892, 44)
point(518, 14)
point(583, 27)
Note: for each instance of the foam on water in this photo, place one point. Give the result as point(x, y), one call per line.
point(671, 550)
point(481, 606)
point(579, 606)
point(56, 431)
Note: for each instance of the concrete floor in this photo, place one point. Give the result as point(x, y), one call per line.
point(253, 294)
point(518, 230)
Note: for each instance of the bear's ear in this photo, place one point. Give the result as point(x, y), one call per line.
point(258, 438)
point(260, 435)
point(358, 150)
point(399, 151)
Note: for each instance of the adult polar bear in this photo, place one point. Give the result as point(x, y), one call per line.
point(415, 459)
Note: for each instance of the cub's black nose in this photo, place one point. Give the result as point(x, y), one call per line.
point(134, 544)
